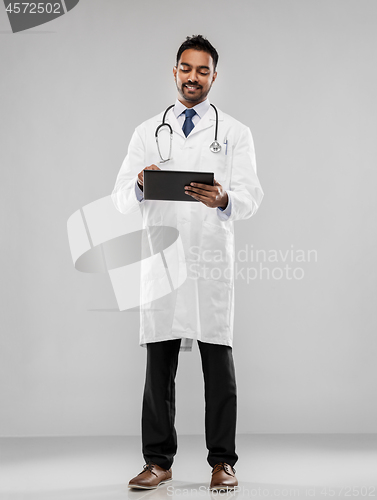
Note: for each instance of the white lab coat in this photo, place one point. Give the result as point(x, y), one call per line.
point(203, 306)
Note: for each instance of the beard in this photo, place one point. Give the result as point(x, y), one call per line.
point(192, 97)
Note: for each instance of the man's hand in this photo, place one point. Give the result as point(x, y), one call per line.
point(212, 196)
point(140, 177)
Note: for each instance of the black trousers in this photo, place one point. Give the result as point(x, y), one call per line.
point(159, 437)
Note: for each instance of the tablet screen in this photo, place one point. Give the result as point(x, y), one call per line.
point(169, 185)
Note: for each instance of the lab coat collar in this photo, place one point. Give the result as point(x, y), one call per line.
point(172, 119)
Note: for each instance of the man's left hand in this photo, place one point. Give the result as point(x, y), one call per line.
point(212, 196)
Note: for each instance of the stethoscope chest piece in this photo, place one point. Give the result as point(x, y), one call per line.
point(215, 147)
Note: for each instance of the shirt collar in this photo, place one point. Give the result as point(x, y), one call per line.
point(201, 108)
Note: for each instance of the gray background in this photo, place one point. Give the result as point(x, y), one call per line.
point(302, 75)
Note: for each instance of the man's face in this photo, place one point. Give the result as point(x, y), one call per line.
point(194, 76)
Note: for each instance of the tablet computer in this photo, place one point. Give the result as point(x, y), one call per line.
point(169, 184)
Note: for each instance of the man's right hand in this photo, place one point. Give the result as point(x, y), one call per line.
point(140, 177)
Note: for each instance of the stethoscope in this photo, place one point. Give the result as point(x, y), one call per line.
point(215, 146)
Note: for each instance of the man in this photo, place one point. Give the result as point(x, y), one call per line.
point(202, 307)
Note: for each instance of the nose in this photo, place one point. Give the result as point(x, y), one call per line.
point(193, 76)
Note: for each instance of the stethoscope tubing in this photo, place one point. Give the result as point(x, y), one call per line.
point(163, 122)
point(215, 147)
point(217, 121)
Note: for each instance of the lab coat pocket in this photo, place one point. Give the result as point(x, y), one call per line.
point(218, 163)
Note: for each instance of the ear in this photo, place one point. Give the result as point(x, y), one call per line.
point(175, 71)
point(214, 76)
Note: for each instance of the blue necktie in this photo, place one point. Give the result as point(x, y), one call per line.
point(188, 125)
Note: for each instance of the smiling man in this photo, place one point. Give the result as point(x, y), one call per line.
point(202, 308)
point(194, 76)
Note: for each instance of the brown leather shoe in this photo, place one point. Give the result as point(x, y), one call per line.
point(150, 477)
point(223, 477)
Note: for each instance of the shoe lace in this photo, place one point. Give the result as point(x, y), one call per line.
point(223, 466)
point(149, 467)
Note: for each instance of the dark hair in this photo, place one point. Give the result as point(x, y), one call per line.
point(198, 42)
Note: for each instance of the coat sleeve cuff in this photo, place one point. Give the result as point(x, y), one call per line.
point(224, 213)
point(138, 192)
